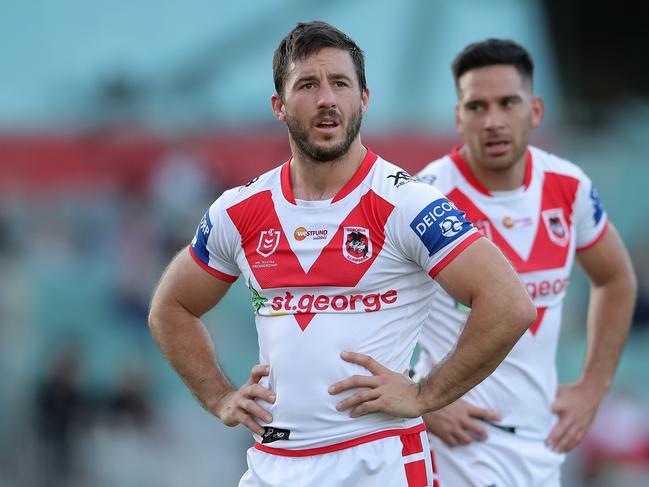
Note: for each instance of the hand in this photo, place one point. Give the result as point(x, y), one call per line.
point(386, 391)
point(239, 406)
point(456, 423)
point(576, 405)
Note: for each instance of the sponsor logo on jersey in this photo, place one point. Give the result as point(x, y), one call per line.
point(274, 434)
point(451, 226)
point(317, 303)
point(357, 245)
point(249, 183)
point(199, 242)
point(598, 209)
point(257, 299)
point(484, 227)
point(556, 225)
point(545, 287)
point(401, 178)
point(509, 222)
point(439, 224)
point(301, 233)
point(268, 242)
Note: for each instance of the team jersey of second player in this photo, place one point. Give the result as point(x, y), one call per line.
point(538, 227)
point(352, 273)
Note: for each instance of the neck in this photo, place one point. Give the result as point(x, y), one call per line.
point(506, 178)
point(315, 180)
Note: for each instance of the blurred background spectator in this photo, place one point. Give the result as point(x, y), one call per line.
point(121, 122)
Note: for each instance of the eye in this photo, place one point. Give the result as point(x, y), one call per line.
point(307, 86)
point(474, 107)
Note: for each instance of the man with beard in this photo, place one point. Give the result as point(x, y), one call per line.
point(515, 427)
point(340, 257)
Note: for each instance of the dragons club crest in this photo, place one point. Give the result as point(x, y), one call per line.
point(357, 245)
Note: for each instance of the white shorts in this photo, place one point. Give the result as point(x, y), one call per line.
point(395, 461)
point(503, 460)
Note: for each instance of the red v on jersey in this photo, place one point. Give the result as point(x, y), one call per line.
point(559, 192)
point(281, 268)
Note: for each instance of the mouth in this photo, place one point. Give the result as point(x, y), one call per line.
point(327, 124)
point(497, 147)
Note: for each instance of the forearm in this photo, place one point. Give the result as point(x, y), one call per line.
point(610, 312)
point(185, 342)
point(489, 334)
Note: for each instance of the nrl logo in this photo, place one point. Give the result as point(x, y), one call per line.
point(357, 245)
point(555, 224)
point(268, 242)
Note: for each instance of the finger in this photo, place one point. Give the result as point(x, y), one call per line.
point(358, 398)
point(260, 392)
point(364, 361)
point(257, 372)
point(486, 414)
point(557, 432)
point(254, 409)
point(249, 423)
point(569, 440)
point(448, 439)
point(461, 437)
point(476, 429)
point(352, 382)
point(367, 407)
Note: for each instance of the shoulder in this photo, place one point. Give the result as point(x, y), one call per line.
point(399, 187)
point(551, 163)
point(259, 184)
point(441, 173)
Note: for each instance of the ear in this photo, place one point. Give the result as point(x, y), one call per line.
point(457, 119)
point(538, 110)
point(365, 100)
point(278, 107)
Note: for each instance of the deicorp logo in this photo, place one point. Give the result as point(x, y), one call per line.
point(439, 224)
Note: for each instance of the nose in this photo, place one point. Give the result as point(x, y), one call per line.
point(494, 119)
point(326, 96)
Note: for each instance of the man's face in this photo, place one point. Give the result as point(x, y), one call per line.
point(323, 104)
point(496, 113)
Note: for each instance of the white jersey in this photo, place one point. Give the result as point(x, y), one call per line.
point(352, 273)
point(539, 227)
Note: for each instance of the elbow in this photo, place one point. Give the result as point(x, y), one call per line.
point(524, 312)
point(153, 319)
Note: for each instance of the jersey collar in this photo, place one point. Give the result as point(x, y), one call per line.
point(463, 167)
point(361, 172)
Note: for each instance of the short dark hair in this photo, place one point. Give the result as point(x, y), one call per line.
point(491, 52)
point(310, 37)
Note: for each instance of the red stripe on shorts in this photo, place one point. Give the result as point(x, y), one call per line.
point(415, 471)
point(432, 462)
point(416, 474)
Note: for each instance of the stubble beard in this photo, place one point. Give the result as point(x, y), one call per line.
point(319, 153)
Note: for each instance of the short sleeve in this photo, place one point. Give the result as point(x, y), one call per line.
point(432, 230)
point(214, 244)
point(590, 219)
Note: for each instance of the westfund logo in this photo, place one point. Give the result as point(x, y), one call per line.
point(439, 224)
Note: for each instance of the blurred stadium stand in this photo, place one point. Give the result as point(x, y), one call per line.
point(120, 123)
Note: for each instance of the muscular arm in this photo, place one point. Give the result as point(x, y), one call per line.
point(184, 294)
point(501, 311)
point(612, 296)
point(479, 277)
